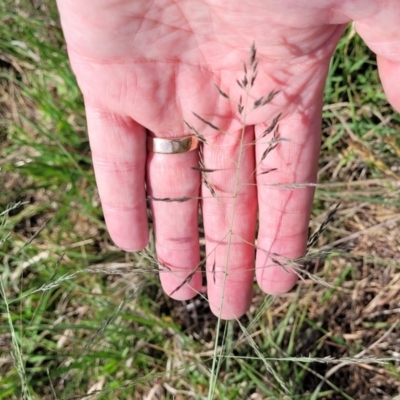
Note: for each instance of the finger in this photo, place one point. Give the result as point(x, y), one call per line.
point(380, 31)
point(170, 178)
point(389, 72)
point(284, 212)
point(229, 213)
point(119, 155)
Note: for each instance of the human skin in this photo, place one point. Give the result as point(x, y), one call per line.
point(147, 66)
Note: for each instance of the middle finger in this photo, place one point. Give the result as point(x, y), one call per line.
point(229, 213)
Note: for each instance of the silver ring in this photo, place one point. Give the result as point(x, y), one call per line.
point(172, 146)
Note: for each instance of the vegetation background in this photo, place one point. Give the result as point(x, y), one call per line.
point(80, 319)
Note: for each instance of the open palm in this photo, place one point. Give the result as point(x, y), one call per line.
point(147, 67)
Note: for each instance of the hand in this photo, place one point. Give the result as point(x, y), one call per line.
point(149, 65)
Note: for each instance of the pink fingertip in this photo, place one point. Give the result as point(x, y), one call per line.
point(172, 285)
point(235, 303)
point(128, 232)
point(276, 281)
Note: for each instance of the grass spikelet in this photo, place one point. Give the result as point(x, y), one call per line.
point(314, 237)
point(182, 199)
point(199, 137)
point(253, 54)
point(206, 122)
point(274, 124)
point(221, 92)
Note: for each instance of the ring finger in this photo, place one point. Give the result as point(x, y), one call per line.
point(173, 189)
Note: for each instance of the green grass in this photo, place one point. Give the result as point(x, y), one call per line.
point(78, 317)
